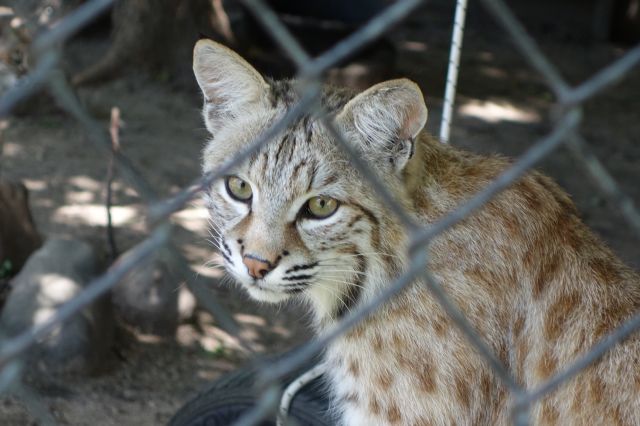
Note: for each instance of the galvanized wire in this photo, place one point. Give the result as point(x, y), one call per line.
point(46, 50)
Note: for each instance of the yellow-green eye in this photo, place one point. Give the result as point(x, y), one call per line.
point(321, 207)
point(238, 189)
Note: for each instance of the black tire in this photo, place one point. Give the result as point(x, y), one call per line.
point(233, 394)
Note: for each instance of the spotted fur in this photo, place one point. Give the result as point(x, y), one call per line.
point(536, 284)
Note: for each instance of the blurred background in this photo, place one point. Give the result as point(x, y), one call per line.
point(148, 346)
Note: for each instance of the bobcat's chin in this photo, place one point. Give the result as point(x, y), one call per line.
point(264, 294)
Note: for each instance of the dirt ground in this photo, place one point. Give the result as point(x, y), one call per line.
point(503, 107)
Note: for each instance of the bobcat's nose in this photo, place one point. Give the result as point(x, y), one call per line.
point(256, 266)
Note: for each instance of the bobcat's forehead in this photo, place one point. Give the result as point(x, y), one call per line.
point(299, 162)
point(304, 138)
point(284, 94)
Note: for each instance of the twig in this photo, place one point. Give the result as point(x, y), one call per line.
point(221, 21)
point(114, 131)
point(3, 127)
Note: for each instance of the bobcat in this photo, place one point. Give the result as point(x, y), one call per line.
point(296, 221)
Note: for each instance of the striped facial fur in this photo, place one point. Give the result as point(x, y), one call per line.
point(295, 220)
point(300, 232)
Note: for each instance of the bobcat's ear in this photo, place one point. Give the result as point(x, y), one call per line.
point(386, 118)
point(231, 86)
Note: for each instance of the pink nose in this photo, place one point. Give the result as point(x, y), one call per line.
point(256, 267)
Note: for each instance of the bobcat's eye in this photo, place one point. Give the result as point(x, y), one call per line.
point(238, 189)
point(321, 207)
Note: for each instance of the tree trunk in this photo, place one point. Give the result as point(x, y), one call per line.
point(146, 32)
point(18, 235)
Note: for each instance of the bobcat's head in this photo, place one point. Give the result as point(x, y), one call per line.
point(296, 219)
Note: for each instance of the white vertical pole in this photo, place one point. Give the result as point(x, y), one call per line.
point(452, 72)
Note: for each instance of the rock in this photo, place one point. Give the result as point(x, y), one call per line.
point(53, 275)
point(187, 303)
point(18, 235)
point(147, 298)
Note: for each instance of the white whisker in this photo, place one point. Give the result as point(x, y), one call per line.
point(347, 283)
point(348, 271)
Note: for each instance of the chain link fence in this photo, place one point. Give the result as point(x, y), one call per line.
point(47, 48)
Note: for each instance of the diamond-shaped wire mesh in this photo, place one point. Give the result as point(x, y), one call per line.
point(568, 103)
